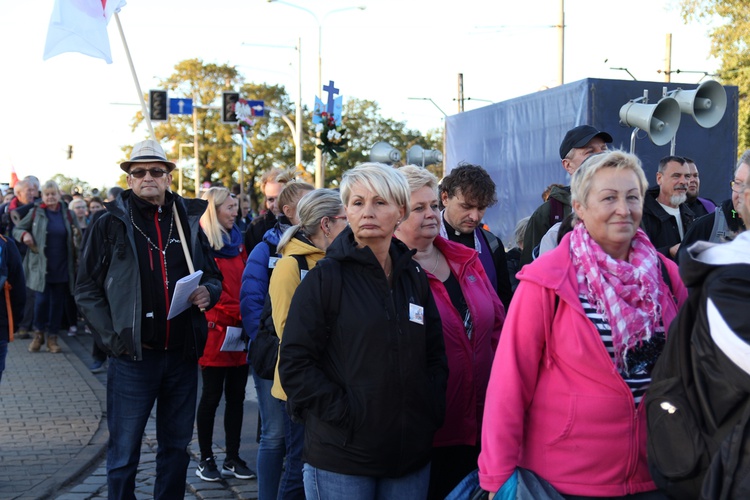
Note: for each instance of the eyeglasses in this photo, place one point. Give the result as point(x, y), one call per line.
point(140, 173)
point(342, 217)
point(737, 186)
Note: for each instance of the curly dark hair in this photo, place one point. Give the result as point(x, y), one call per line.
point(474, 183)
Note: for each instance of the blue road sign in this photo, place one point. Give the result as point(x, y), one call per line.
point(180, 106)
point(257, 107)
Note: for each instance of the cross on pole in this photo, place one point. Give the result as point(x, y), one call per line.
point(332, 91)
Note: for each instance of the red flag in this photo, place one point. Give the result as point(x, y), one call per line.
point(13, 176)
point(81, 26)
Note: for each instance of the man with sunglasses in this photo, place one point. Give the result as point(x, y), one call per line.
point(134, 256)
point(725, 223)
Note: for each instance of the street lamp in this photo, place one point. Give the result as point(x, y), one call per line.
point(297, 131)
point(428, 99)
point(319, 171)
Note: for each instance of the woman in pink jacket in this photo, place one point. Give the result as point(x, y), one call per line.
point(585, 328)
point(472, 317)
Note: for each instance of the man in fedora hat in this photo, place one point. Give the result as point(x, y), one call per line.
point(135, 254)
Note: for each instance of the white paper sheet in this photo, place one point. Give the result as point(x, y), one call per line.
point(233, 340)
point(182, 291)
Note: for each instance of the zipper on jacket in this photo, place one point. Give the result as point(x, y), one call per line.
point(163, 273)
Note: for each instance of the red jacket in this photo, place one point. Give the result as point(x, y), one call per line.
point(556, 404)
point(469, 361)
point(225, 313)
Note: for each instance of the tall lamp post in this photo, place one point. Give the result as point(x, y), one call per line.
point(445, 115)
point(319, 171)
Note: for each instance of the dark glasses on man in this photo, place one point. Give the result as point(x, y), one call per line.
point(140, 173)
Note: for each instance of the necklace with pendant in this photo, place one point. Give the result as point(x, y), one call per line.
point(154, 246)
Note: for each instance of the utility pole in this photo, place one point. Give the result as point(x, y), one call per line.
point(561, 44)
point(460, 92)
point(668, 59)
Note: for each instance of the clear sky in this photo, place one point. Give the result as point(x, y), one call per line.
point(392, 50)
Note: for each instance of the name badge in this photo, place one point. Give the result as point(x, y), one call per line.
point(416, 314)
point(272, 262)
point(302, 274)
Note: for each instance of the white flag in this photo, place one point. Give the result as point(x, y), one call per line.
point(81, 26)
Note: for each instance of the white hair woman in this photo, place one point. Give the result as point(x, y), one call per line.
point(223, 372)
point(319, 217)
point(362, 361)
point(582, 335)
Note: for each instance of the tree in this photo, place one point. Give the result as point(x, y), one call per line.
point(270, 140)
point(70, 184)
point(729, 43)
point(364, 128)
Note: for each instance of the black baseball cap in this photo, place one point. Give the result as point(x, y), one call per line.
point(580, 136)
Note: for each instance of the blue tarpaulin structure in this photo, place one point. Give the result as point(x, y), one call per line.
point(517, 141)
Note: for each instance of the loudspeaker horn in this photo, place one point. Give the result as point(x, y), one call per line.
point(417, 155)
point(706, 104)
point(383, 152)
point(660, 121)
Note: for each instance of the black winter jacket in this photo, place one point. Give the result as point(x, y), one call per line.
point(371, 388)
point(660, 227)
point(723, 385)
point(108, 289)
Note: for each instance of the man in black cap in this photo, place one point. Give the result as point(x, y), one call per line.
point(579, 143)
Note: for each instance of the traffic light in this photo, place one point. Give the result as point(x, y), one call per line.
point(157, 105)
point(228, 100)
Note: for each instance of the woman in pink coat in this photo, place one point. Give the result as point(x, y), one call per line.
point(586, 326)
point(472, 317)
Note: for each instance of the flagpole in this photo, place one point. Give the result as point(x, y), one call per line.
point(146, 115)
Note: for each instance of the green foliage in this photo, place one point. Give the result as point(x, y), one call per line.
point(70, 184)
point(730, 40)
point(271, 144)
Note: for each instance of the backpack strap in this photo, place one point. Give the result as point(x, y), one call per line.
point(330, 271)
point(665, 276)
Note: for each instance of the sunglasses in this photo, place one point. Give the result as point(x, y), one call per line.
point(140, 173)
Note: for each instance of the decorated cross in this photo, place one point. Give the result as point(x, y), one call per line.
point(332, 91)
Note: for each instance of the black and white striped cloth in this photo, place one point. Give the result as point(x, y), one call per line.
point(640, 359)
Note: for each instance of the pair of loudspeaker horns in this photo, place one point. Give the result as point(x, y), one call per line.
point(383, 152)
point(706, 104)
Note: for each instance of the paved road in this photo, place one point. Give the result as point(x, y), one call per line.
point(53, 431)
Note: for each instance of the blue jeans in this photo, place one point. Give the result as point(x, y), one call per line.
point(325, 485)
point(292, 486)
point(132, 389)
point(271, 449)
point(3, 354)
point(49, 307)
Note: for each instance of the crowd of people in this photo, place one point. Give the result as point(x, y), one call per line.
point(397, 349)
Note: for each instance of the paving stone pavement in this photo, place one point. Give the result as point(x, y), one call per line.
point(53, 433)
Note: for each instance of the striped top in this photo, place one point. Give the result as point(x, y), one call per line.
point(640, 359)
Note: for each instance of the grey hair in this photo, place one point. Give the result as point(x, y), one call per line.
point(520, 232)
point(744, 158)
point(50, 184)
point(379, 178)
point(311, 209)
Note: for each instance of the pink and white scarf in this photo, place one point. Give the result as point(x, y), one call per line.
point(625, 293)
